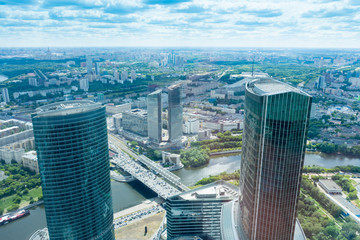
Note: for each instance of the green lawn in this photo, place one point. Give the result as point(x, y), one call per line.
point(35, 193)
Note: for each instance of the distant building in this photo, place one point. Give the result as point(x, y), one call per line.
point(191, 126)
point(135, 121)
point(5, 95)
point(133, 75)
point(124, 76)
point(171, 158)
point(198, 212)
point(154, 109)
point(33, 82)
point(175, 113)
point(84, 84)
point(115, 109)
point(116, 76)
point(97, 69)
point(89, 66)
point(29, 160)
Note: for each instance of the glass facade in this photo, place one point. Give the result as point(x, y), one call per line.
point(175, 113)
point(198, 212)
point(154, 109)
point(72, 148)
point(275, 128)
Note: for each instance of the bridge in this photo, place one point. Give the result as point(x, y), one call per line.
point(124, 159)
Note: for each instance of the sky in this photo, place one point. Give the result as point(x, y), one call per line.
point(180, 23)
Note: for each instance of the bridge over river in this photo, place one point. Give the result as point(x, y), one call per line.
point(167, 186)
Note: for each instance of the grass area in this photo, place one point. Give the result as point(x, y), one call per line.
point(135, 231)
point(34, 193)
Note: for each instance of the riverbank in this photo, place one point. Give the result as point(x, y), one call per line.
point(225, 152)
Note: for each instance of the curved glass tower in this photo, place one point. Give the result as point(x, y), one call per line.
point(72, 148)
point(276, 122)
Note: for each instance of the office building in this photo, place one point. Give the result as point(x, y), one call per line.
point(135, 121)
point(29, 160)
point(124, 76)
point(198, 212)
point(73, 156)
point(154, 109)
point(97, 69)
point(274, 140)
point(5, 95)
point(175, 113)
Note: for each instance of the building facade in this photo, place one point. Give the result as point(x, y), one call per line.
point(5, 95)
point(175, 113)
point(73, 156)
point(198, 212)
point(135, 121)
point(275, 129)
point(154, 109)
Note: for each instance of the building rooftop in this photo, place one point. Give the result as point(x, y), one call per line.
point(155, 92)
point(138, 112)
point(216, 190)
point(269, 86)
point(330, 185)
point(174, 86)
point(66, 108)
point(30, 155)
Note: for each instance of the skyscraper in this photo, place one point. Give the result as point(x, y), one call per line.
point(154, 109)
point(89, 66)
point(72, 148)
point(276, 123)
point(175, 113)
point(5, 95)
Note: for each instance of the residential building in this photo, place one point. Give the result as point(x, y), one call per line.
point(84, 84)
point(274, 140)
point(175, 113)
point(5, 95)
point(191, 126)
point(29, 160)
point(72, 149)
point(154, 109)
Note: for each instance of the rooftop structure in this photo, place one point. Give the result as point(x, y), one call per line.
point(66, 108)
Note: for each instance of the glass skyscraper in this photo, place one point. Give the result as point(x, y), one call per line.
point(154, 109)
point(274, 140)
point(175, 112)
point(72, 148)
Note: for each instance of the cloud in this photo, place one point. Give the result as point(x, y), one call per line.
point(252, 23)
point(18, 2)
point(265, 13)
point(165, 2)
point(80, 4)
point(324, 13)
point(190, 9)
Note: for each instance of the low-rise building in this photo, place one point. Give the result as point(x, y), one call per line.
point(330, 186)
point(29, 160)
point(111, 109)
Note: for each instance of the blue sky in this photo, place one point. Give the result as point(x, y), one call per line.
point(236, 23)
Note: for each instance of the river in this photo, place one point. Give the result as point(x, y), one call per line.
point(136, 192)
point(3, 78)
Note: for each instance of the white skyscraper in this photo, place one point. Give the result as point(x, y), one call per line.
point(5, 95)
point(84, 84)
point(133, 74)
point(124, 76)
point(116, 76)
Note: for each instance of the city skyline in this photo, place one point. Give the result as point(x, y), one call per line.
point(177, 23)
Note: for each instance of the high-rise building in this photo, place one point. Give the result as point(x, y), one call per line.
point(154, 109)
point(72, 149)
point(5, 95)
point(124, 76)
point(84, 84)
point(97, 69)
point(175, 113)
point(133, 74)
point(275, 129)
point(89, 65)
